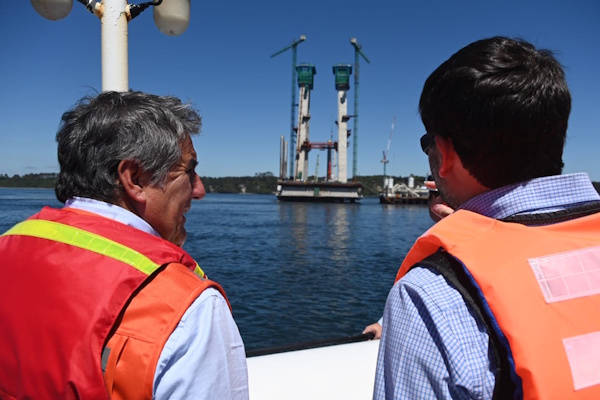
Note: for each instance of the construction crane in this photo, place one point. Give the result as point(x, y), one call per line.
point(357, 52)
point(292, 147)
point(387, 149)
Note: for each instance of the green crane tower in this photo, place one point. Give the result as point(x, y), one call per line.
point(357, 52)
point(292, 148)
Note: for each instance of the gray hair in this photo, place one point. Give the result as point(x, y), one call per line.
point(100, 132)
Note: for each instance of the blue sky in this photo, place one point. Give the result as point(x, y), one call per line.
point(222, 63)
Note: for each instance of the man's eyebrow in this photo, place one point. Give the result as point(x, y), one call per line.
point(193, 163)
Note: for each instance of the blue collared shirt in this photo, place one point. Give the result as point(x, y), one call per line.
point(431, 346)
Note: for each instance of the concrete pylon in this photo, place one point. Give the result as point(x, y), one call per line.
point(342, 136)
point(303, 134)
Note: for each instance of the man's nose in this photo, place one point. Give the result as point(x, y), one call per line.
point(198, 191)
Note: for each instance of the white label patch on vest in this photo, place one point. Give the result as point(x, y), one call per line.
point(583, 353)
point(569, 275)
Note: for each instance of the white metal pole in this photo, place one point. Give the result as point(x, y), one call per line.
point(115, 68)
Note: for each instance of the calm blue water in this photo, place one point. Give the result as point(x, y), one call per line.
point(293, 272)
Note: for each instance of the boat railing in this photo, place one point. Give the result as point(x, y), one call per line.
point(310, 345)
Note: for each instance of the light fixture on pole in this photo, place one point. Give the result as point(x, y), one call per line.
point(172, 19)
point(53, 9)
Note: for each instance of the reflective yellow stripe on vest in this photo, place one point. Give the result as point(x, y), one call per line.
point(89, 241)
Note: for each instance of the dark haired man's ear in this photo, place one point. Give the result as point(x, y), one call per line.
point(447, 155)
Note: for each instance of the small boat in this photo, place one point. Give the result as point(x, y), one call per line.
point(401, 193)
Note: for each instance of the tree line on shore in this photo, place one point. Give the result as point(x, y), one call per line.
point(260, 183)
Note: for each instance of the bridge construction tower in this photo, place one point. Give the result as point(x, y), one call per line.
point(342, 74)
point(306, 73)
point(300, 188)
point(294, 47)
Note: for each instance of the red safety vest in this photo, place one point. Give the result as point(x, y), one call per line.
point(542, 286)
point(67, 282)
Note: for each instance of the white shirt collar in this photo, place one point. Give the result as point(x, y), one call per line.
point(111, 211)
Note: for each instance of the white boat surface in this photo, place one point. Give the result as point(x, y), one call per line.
point(343, 371)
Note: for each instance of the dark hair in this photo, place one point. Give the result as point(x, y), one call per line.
point(504, 105)
point(100, 132)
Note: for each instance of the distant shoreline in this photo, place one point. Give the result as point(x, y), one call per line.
point(260, 183)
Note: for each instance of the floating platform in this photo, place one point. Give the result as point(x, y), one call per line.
point(401, 193)
point(323, 192)
point(401, 199)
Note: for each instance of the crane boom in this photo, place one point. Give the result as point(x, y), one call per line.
point(358, 48)
point(387, 149)
point(294, 44)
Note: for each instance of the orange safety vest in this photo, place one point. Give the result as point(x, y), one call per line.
point(541, 285)
point(76, 283)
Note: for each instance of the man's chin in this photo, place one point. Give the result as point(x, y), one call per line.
point(182, 236)
point(180, 239)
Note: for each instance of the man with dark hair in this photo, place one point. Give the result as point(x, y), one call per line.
point(499, 299)
point(100, 300)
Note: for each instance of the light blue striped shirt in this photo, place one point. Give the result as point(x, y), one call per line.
point(431, 346)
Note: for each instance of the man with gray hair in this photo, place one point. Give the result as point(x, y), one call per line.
point(100, 300)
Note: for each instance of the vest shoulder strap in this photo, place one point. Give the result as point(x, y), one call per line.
point(454, 273)
point(145, 326)
point(555, 216)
